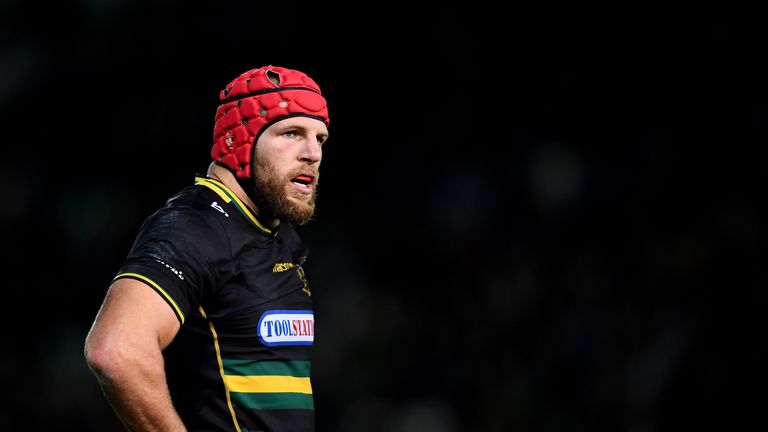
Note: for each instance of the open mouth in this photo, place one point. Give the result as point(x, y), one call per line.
point(303, 182)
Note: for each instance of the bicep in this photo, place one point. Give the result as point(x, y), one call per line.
point(136, 315)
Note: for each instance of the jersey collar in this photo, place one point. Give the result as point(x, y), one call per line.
point(228, 196)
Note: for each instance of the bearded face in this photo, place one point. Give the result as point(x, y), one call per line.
point(286, 164)
point(288, 196)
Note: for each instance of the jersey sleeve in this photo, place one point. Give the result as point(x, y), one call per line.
point(181, 254)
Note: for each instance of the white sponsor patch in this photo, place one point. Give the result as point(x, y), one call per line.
point(287, 327)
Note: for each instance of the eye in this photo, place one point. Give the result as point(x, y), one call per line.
point(321, 139)
point(290, 134)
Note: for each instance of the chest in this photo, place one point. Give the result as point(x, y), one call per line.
point(266, 301)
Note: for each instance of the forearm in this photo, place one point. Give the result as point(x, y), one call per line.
point(138, 392)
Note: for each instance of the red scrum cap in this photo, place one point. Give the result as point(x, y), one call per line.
point(252, 102)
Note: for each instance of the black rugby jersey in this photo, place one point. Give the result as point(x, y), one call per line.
point(241, 359)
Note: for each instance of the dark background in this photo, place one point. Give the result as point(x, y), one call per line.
point(529, 220)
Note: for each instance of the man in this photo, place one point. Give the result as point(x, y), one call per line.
point(208, 324)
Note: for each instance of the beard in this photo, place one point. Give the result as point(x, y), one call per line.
point(272, 198)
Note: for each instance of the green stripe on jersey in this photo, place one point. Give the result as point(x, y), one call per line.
point(294, 368)
point(263, 401)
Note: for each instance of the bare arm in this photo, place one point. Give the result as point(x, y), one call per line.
point(124, 350)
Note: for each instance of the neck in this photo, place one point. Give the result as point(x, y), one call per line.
point(225, 176)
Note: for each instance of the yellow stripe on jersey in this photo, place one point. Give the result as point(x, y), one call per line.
point(157, 287)
point(226, 194)
point(207, 183)
point(221, 368)
point(268, 384)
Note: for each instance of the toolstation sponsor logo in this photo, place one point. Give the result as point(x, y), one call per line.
point(287, 327)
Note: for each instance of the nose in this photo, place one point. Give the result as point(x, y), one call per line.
point(311, 151)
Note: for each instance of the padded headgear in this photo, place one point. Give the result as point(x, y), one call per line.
point(251, 103)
